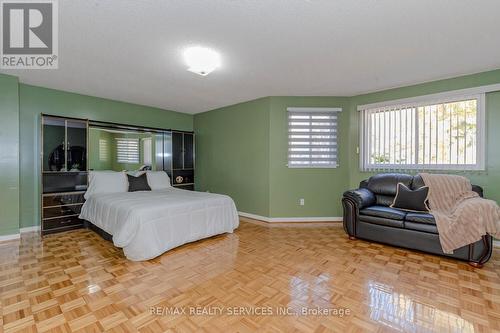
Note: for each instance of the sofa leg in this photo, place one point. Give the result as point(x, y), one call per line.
point(475, 264)
point(352, 238)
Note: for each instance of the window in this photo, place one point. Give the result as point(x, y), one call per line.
point(147, 151)
point(444, 134)
point(312, 137)
point(127, 150)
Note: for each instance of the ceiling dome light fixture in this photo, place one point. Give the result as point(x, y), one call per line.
point(201, 60)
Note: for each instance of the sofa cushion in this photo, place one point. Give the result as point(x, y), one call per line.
point(386, 183)
point(384, 200)
point(381, 221)
point(382, 211)
point(420, 218)
point(431, 228)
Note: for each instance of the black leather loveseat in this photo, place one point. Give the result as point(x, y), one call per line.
point(367, 215)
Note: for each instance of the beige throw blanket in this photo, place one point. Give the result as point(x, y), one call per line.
point(462, 217)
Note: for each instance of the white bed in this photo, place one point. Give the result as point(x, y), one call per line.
point(148, 223)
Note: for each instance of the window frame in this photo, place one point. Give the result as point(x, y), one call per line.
point(423, 101)
point(333, 110)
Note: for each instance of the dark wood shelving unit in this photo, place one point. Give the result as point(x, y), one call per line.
point(183, 158)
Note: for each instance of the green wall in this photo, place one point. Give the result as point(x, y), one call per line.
point(242, 151)
point(36, 100)
point(232, 154)
point(9, 155)
point(489, 179)
point(320, 188)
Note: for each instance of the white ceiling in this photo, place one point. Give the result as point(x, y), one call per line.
point(131, 50)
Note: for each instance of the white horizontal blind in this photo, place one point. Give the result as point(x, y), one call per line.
point(432, 135)
point(127, 150)
point(312, 137)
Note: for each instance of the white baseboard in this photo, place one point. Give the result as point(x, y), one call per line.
point(290, 219)
point(496, 242)
point(21, 231)
point(9, 237)
point(30, 229)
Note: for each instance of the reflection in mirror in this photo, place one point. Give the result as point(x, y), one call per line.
point(76, 145)
point(53, 144)
point(120, 150)
point(64, 145)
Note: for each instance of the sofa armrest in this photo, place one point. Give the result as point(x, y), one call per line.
point(478, 189)
point(363, 197)
point(480, 251)
point(352, 202)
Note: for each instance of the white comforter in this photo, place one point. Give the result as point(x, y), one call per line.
point(146, 224)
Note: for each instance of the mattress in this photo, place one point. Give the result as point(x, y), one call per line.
point(148, 223)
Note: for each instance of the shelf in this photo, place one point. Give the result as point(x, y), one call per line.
point(64, 205)
point(67, 190)
point(64, 172)
point(59, 217)
point(185, 184)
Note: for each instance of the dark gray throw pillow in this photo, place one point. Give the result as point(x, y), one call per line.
point(411, 200)
point(139, 183)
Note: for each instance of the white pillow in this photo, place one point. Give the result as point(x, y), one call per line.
point(106, 182)
point(158, 180)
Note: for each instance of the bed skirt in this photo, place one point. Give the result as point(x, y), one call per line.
point(97, 230)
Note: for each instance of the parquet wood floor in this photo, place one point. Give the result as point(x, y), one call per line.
point(76, 281)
